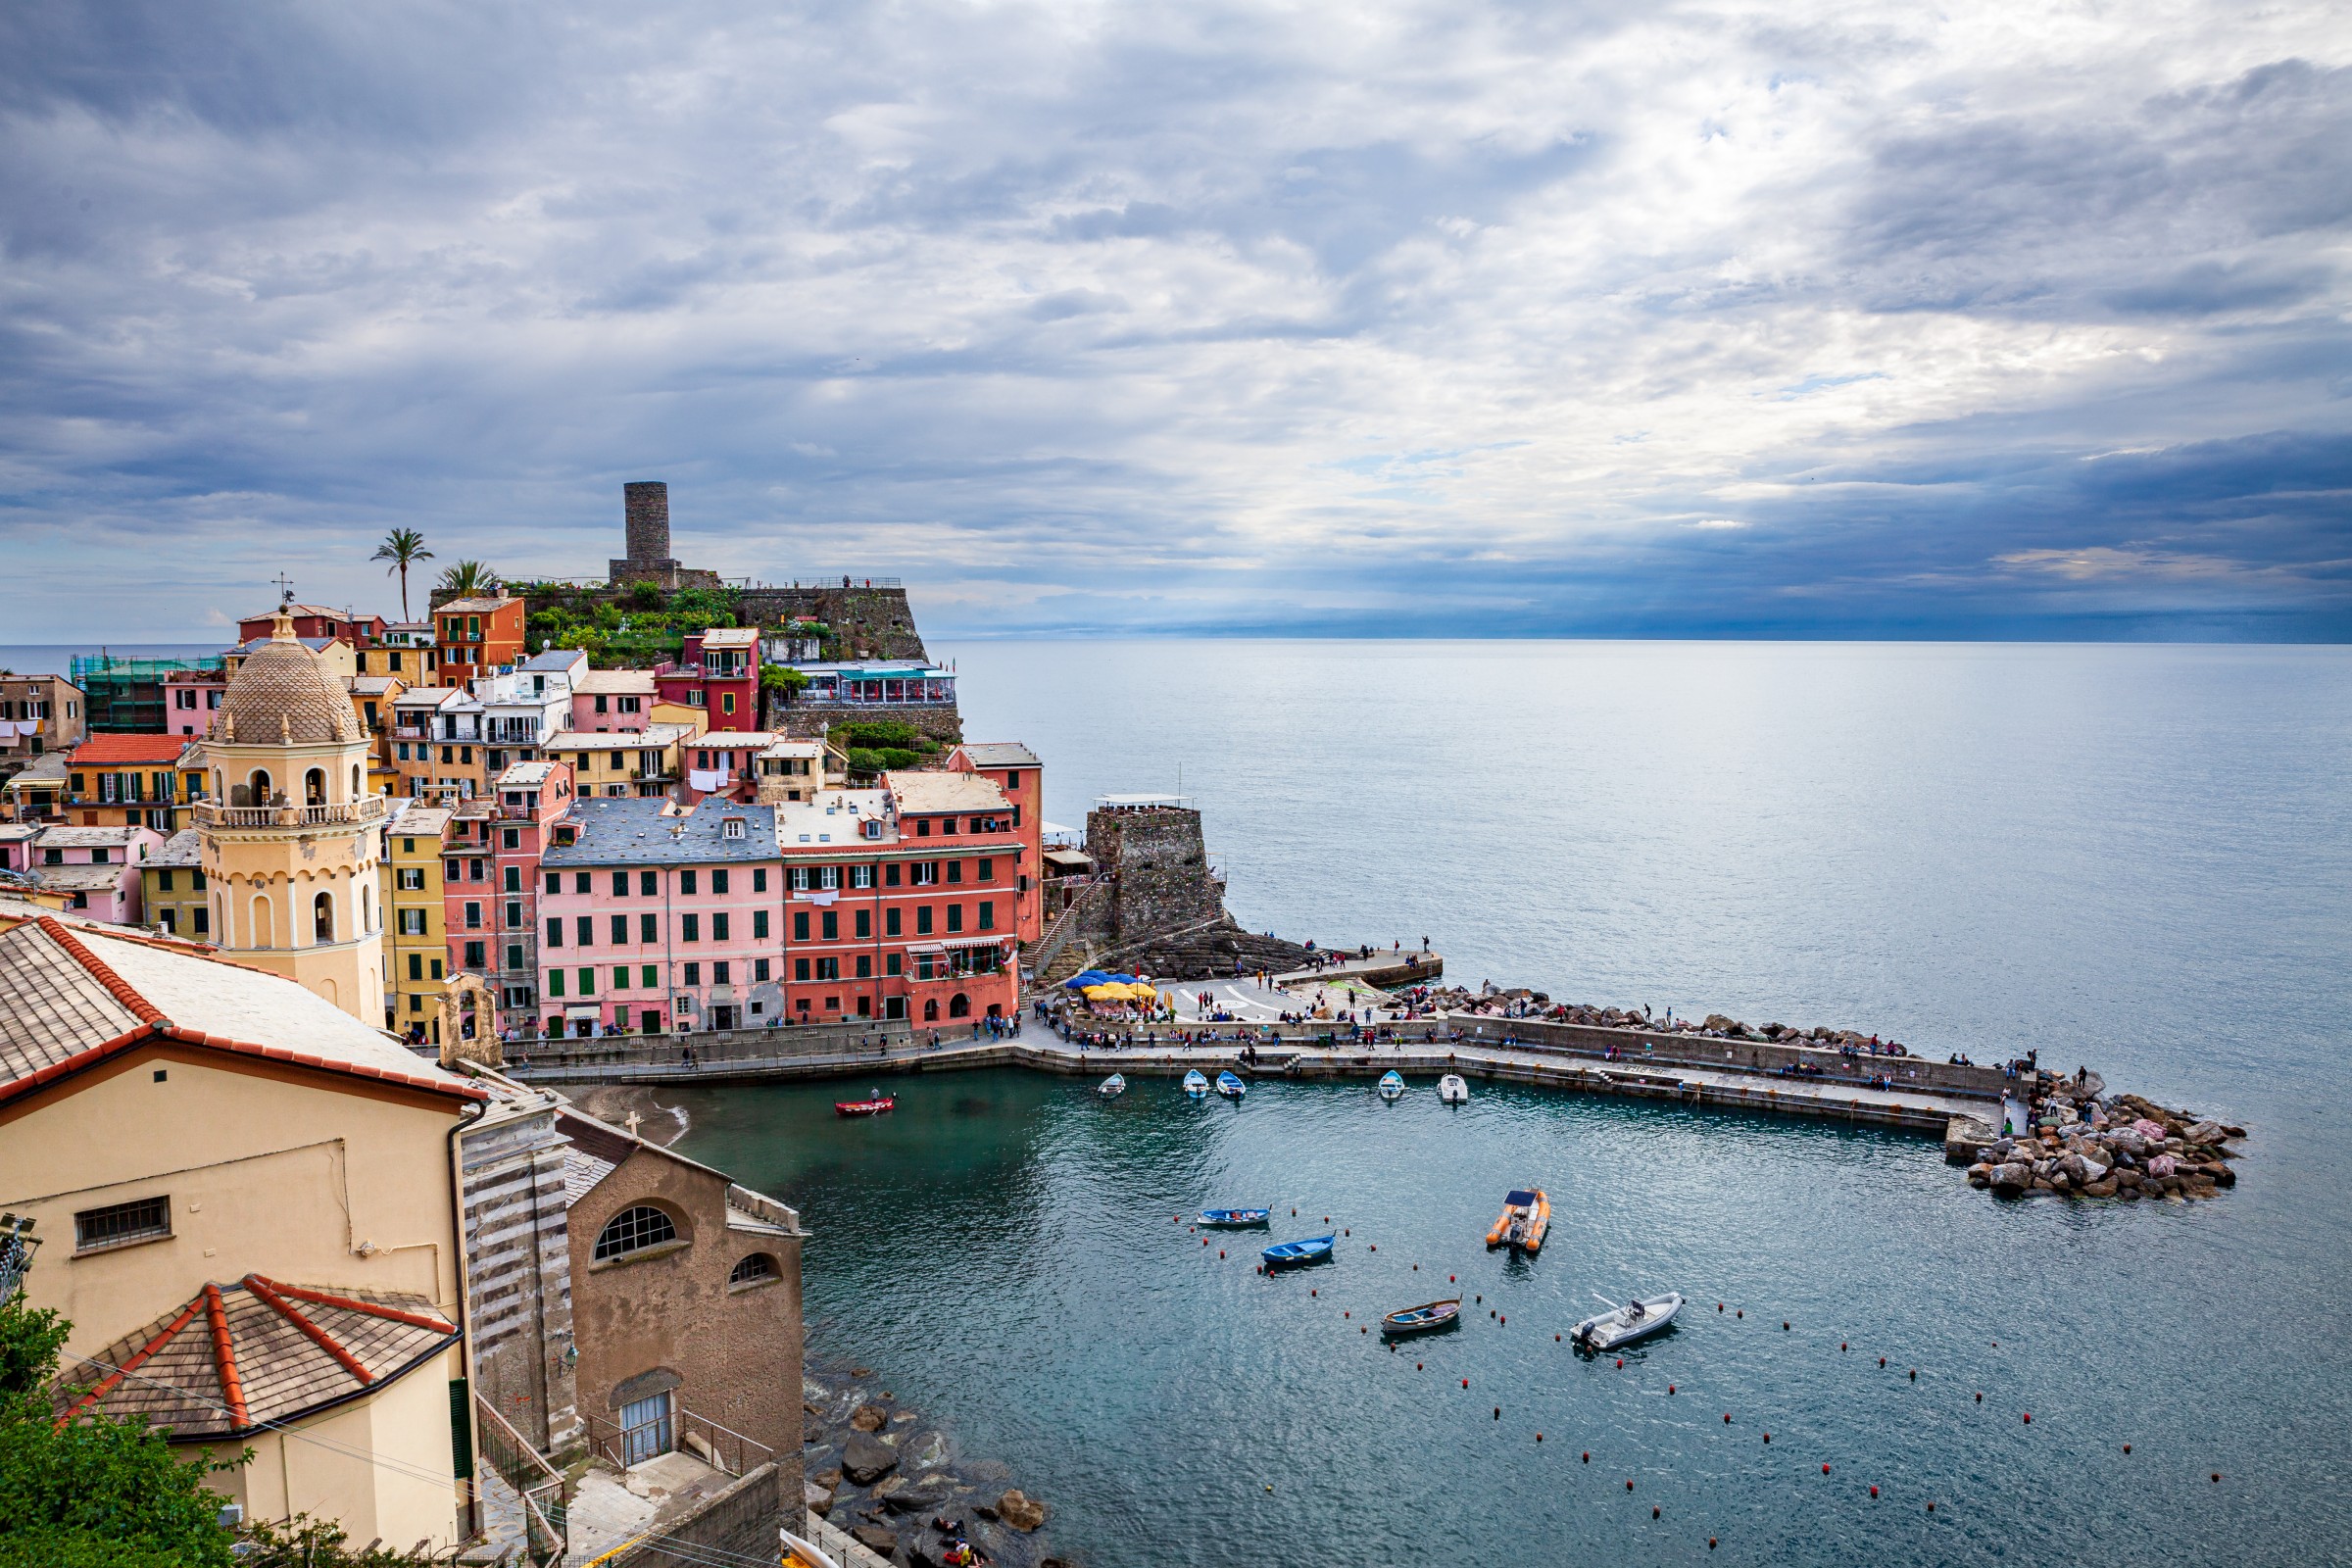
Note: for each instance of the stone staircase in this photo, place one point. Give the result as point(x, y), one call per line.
point(1065, 925)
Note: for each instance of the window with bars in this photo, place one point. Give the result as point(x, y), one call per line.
point(633, 1230)
point(754, 1269)
point(119, 1224)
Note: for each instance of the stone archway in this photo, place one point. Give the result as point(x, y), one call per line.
point(469, 1021)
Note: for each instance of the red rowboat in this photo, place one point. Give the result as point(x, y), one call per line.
point(864, 1108)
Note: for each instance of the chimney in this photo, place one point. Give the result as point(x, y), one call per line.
point(646, 506)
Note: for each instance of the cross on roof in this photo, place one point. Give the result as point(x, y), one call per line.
point(285, 587)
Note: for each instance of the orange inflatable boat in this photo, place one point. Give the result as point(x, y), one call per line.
point(1526, 1216)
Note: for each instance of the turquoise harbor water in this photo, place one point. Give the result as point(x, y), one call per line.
point(2134, 857)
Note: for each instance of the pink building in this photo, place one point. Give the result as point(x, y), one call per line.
point(96, 867)
point(490, 882)
point(720, 674)
point(714, 763)
point(655, 917)
point(613, 702)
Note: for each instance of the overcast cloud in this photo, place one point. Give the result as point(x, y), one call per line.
point(1815, 317)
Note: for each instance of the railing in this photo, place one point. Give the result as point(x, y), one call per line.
point(1065, 925)
point(212, 814)
point(540, 1487)
point(720, 1448)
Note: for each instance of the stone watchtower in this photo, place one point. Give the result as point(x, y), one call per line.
point(646, 506)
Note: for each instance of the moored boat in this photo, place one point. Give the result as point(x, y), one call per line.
point(1231, 1219)
point(1426, 1318)
point(1637, 1319)
point(1112, 1087)
point(1392, 1085)
point(1195, 1084)
point(1231, 1087)
point(1452, 1089)
point(1314, 1250)
point(798, 1553)
point(1526, 1217)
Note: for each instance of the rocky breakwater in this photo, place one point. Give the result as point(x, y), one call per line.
point(897, 1484)
point(2117, 1146)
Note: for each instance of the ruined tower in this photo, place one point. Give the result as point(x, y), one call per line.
point(645, 506)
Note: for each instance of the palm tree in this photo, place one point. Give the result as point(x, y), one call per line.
point(468, 578)
point(403, 547)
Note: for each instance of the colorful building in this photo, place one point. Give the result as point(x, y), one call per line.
point(39, 715)
point(621, 763)
point(416, 921)
point(149, 781)
point(191, 696)
point(96, 868)
point(403, 648)
point(613, 700)
point(172, 895)
point(37, 792)
point(313, 623)
point(720, 674)
point(655, 917)
point(1015, 769)
point(335, 655)
point(474, 637)
point(436, 745)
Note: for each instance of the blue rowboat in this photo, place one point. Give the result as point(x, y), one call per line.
point(1424, 1319)
point(1314, 1249)
point(1228, 1219)
point(1195, 1086)
point(1230, 1087)
point(1392, 1085)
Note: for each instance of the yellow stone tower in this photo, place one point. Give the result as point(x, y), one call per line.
point(291, 836)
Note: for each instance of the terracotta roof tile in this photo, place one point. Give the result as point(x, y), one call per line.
point(114, 751)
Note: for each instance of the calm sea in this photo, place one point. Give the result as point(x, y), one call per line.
point(2132, 857)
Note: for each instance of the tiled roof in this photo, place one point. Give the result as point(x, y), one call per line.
point(730, 636)
point(110, 751)
point(475, 607)
point(525, 775)
point(88, 837)
point(81, 878)
point(628, 682)
point(49, 770)
point(183, 848)
point(258, 1350)
point(82, 994)
point(283, 693)
point(945, 792)
point(652, 737)
point(553, 659)
point(420, 821)
point(999, 754)
point(637, 831)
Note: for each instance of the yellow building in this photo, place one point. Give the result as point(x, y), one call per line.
point(291, 835)
point(173, 897)
point(622, 763)
point(250, 1213)
point(416, 944)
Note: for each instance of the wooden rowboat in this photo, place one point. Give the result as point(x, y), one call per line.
point(1314, 1249)
point(1392, 1085)
point(864, 1108)
point(1112, 1087)
point(1426, 1318)
point(1231, 1219)
point(1231, 1087)
point(1195, 1084)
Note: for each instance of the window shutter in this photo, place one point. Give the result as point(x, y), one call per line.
point(460, 1428)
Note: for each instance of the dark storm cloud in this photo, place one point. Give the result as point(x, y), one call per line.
point(1443, 318)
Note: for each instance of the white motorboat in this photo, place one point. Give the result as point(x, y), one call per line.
point(1392, 1085)
point(1195, 1084)
point(1112, 1087)
point(1637, 1320)
point(1452, 1089)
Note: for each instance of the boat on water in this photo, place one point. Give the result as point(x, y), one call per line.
point(1195, 1084)
point(1526, 1216)
point(1112, 1087)
point(1452, 1089)
point(1392, 1085)
point(1233, 1219)
point(1637, 1320)
point(1427, 1318)
point(1231, 1087)
point(798, 1553)
point(1284, 1255)
point(874, 1106)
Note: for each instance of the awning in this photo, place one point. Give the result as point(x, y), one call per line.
point(583, 1010)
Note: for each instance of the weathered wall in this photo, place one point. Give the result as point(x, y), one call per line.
point(736, 1352)
point(805, 719)
point(1664, 1049)
point(1158, 865)
point(518, 1275)
point(739, 1523)
point(865, 622)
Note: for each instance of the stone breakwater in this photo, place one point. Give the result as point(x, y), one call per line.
point(889, 1478)
point(2122, 1146)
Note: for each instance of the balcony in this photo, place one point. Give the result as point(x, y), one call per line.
point(349, 812)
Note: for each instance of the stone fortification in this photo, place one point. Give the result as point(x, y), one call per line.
point(1160, 907)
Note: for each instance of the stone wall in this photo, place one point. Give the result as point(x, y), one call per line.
point(519, 1277)
point(805, 720)
point(1664, 1049)
point(1158, 865)
point(739, 1524)
point(865, 622)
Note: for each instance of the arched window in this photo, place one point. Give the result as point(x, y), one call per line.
point(931, 1010)
point(322, 917)
point(261, 928)
point(756, 1269)
point(367, 913)
point(257, 787)
point(355, 781)
point(633, 1230)
point(314, 787)
point(959, 1006)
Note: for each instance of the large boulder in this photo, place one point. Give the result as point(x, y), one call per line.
point(923, 1497)
point(866, 1459)
point(883, 1544)
point(2012, 1178)
point(1020, 1511)
point(867, 1418)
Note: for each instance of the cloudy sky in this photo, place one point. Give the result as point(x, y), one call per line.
point(1809, 317)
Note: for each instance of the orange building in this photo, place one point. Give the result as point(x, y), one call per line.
point(475, 636)
point(1014, 768)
